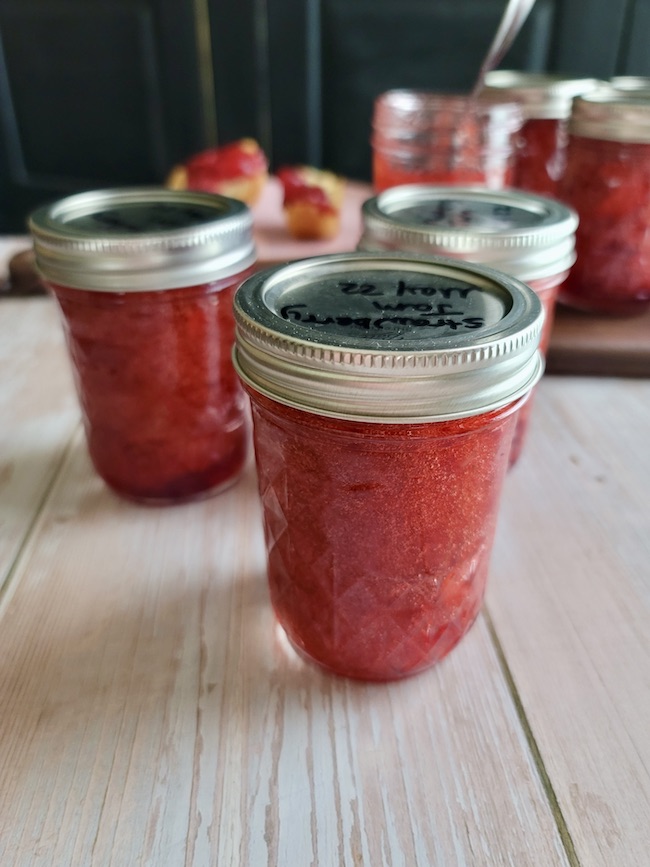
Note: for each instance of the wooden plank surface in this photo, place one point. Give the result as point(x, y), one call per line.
point(570, 602)
point(38, 413)
point(157, 716)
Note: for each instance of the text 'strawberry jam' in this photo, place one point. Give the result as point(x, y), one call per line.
point(385, 392)
point(545, 101)
point(423, 137)
point(527, 236)
point(607, 181)
point(145, 280)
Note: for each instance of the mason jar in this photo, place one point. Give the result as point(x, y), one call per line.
point(527, 236)
point(425, 137)
point(607, 181)
point(545, 100)
point(144, 279)
point(385, 391)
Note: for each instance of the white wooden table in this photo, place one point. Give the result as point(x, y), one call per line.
point(150, 713)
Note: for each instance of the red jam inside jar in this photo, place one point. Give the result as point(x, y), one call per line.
point(164, 413)
point(380, 466)
point(165, 416)
point(524, 235)
point(608, 184)
point(420, 137)
point(377, 566)
point(545, 99)
point(541, 157)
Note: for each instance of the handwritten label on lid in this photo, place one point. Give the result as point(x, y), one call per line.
point(144, 218)
point(473, 215)
point(387, 306)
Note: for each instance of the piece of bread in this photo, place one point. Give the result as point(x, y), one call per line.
point(238, 170)
point(312, 201)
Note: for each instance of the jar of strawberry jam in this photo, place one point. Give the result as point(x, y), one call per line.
point(424, 137)
point(385, 391)
point(526, 236)
point(545, 100)
point(145, 279)
point(607, 181)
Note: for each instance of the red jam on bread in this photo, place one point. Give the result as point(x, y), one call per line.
point(238, 170)
point(312, 201)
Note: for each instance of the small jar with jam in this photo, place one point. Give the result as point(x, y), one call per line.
point(607, 181)
point(426, 137)
point(385, 391)
point(545, 100)
point(527, 236)
point(144, 278)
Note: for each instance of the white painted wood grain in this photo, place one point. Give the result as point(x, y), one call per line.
point(152, 714)
point(570, 600)
point(38, 413)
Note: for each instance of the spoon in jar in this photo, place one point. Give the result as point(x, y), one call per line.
point(511, 22)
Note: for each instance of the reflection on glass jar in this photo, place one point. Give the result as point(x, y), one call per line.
point(385, 391)
point(424, 137)
point(145, 280)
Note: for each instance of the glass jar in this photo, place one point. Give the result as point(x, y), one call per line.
point(545, 100)
point(385, 392)
point(423, 137)
point(526, 236)
point(144, 279)
point(607, 181)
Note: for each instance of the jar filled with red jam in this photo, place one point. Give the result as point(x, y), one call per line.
point(607, 181)
point(425, 137)
point(527, 236)
point(385, 391)
point(545, 100)
point(145, 279)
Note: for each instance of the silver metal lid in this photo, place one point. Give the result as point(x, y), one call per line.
point(542, 95)
point(141, 239)
point(387, 337)
point(612, 114)
point(527, 236)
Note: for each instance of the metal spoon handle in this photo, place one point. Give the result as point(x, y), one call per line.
point(511, 22)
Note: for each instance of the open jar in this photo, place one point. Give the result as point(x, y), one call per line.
point(144, 278)
point(607, 181)
point(385, 391)
point(527, 236)
point(424, 137)
point(545, 100)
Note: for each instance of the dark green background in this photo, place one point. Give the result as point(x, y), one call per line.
point(100, 93)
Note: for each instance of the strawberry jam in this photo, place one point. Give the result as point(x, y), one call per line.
point(421, 137)
point(164, 414)
point(385, 393)
point(545, 99)
point(607, 181)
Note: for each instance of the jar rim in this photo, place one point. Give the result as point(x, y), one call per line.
point(307, 338)
point(432, 109)
point(523, 234)
point(141, 239)
point(612, 114)
point(542, 95)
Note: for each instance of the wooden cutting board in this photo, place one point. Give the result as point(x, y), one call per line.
point(585, 344)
